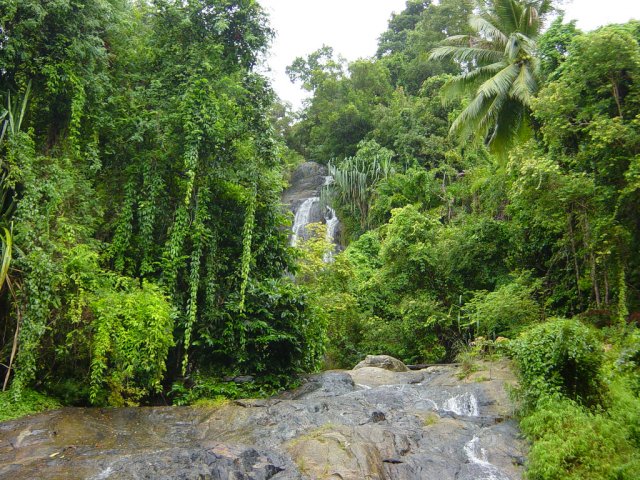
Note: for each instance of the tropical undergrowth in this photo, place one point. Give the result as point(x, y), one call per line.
point(526, 230)
point(142, 233)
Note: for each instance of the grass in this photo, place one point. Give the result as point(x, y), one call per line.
point(430, 419)
point(468, 363)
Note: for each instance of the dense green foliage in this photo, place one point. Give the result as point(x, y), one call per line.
point(573, 442)
point(560, 357)
point(143, 142)
point(530, 233)
point(449, 239)
point(144, 248)
point(30, 402)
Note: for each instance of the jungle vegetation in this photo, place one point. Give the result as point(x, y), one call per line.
point(486, 165)
point(487, 177)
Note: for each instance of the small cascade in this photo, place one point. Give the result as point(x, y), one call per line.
point(104, 474)
point(464, 404)
point(332, 222)
point(478, 456)
point(302, 219)
point(311, 210)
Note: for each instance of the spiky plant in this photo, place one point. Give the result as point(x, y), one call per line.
point(500, 70)
point(10, 122)
point(354, 180)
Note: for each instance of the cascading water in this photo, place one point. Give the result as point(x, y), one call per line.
point(478, 456)
point(302, 219)
point(308, 212)
point(465, 404)
point(332, 228)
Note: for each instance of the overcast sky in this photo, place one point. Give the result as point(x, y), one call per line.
point(352, 28)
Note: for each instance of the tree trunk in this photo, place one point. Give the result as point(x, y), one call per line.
point(576, 267)
point(14, 349)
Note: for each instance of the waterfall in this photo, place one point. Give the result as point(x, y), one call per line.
point(310, 211)
point(301, 219)
point(332, 222)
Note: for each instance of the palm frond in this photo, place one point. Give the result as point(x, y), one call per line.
point(469, 122)
point(501, 82)
point(469, 81)
point(488, 29)
point(504, 79)
point(4, 125)
point(465, 54)
point(14, 114)
point(7, 252)
point(509, 126)
point(460, 40)
point(524, 86)
point(23, 109)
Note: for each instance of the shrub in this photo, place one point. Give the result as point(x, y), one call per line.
point(505, 310)
point(572, 443)
point(280, 333)
point(559, 357)
point(132, 334)
point(29, 402)
point(413, 335)
point(209, 387)
point(344, 328)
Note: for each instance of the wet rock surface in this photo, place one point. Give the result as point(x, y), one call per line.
point(306, 182)
point(368, 423)
point(302, 198)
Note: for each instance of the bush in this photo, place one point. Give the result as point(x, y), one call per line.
point(559, 357)
point(280, 333)
point(345, 328)
point(413, 335)
point(629, 361)
point(210, 388)
point(29, 402)
point(572, 443)
point(133, 330)
point(505, 310)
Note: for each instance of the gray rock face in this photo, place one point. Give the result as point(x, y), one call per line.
point(303, 199)
point(339, 425)
point(382, 361)
point(306, 182)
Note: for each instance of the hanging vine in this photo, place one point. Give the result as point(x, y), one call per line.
point(124, 227)
point(148, 213)
point(199, 239)
point(247, 235)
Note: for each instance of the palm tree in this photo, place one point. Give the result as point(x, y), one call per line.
point(501, 70)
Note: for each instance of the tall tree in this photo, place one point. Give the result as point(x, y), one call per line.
point(500, 70)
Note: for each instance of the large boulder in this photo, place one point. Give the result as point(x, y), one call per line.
point(382, 361)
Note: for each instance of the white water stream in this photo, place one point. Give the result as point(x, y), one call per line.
point(304, 216)
point(478, 456)
point(464, 404)
point(301, 220)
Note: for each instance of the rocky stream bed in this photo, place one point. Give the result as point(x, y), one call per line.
point(367, 423)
